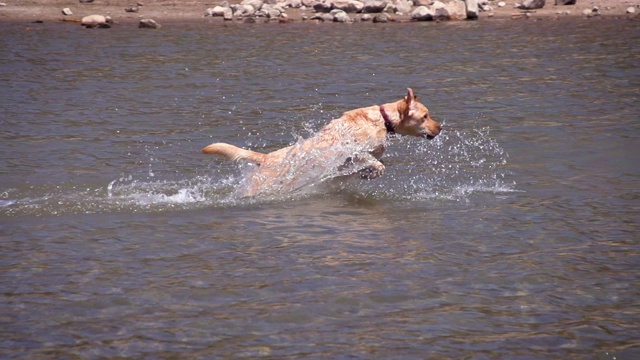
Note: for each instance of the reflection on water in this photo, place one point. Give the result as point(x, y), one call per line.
point(512, 234)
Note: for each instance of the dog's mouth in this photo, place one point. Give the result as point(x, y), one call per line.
point(426, 135)
point(429, 134)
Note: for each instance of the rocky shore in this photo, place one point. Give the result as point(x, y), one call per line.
point(286, 11)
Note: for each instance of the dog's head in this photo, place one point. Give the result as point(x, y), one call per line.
point(415, 119)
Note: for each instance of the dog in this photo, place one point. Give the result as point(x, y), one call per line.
point(351, 144)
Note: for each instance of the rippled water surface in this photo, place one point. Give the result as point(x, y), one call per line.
point(514, 234)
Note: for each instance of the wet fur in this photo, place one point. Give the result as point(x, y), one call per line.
point(363, 129)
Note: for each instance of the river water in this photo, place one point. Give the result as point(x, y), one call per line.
point(512, 235)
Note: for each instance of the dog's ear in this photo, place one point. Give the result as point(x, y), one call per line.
point(410, 95)
point(411, 101)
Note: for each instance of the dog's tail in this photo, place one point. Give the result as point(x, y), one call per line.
point(234, 153)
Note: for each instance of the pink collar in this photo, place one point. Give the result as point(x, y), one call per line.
point(387, 122)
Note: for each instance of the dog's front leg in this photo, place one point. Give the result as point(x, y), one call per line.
point(365, 164)
point(374, 169)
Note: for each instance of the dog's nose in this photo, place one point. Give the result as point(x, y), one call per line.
point(436, 127)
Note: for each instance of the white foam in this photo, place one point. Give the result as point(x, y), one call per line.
point(5, 203)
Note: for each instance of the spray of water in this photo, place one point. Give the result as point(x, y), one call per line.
point(452, 167)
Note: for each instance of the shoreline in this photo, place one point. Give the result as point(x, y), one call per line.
point(192, 11)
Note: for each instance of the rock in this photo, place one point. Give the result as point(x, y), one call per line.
point(437, 7)
point(451, 10)
point(595, 11)
point(240, 10)
point(340, 16)
point(485, 7)
point(322, 17)
point(502, 4)
point(86, 1)
point(98, 21)
point(631, 10)
point(272, 11)
point(216, 11)
point(365, 17)
point(404, 6)
point(322, 7)
point(381, 18)
point(374, 6)
point(131, 9)
point(531, 4)
point(565, 2)
point(148, 24)
point(472, 9)
point(295, 4)
point(66, 12)
point(326, 17)
point(228, 14)
point(418, 3)
point(422, 13)
point(257, 4)
point(348, 6)
point(237, 9)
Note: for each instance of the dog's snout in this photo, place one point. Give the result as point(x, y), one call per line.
point(434, 127)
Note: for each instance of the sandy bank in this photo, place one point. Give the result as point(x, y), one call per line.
point(193, 10)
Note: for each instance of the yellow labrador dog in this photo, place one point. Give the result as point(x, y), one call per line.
point(353, 143)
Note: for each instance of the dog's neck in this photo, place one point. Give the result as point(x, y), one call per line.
point(387, 122)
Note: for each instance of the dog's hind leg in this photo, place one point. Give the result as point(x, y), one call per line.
point(231, 152)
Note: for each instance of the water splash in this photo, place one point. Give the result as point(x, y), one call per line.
point(452, 167)
point(162, 193)
point(125, 194)
point(460, 163)
point(303, 171)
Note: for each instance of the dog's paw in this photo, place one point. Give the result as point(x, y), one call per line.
point(372, 171)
